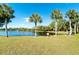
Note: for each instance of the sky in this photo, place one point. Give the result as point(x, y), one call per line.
point(24, 10)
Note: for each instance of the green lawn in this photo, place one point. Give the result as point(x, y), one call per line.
point(60, 44)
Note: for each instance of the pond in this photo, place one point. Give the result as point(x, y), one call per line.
point(17, 33)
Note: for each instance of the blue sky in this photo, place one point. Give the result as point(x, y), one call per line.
point(24, 10)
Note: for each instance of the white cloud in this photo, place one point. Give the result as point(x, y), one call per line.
point(27, 19)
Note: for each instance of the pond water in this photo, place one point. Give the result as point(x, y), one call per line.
point(17, 33)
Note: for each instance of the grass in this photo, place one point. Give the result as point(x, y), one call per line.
point(43, 45)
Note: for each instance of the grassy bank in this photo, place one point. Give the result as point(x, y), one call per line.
point(60, 44)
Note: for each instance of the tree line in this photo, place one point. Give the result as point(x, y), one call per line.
point(59, 22)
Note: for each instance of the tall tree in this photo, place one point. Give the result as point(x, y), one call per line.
point(56, 15)
point(71, 14)
point(7, 13)
point(75, 22)
point(35, 18)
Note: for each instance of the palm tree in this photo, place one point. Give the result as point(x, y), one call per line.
point(56, 15)
point(1, 15)
point(71, 14)
point(35, 18)
point(76, 22)
point(7, 14)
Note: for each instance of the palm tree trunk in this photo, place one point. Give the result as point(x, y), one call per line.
point(70, 27)
point(6, 31)
point(56, 28)
point(75, 28)
point(35, 29)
